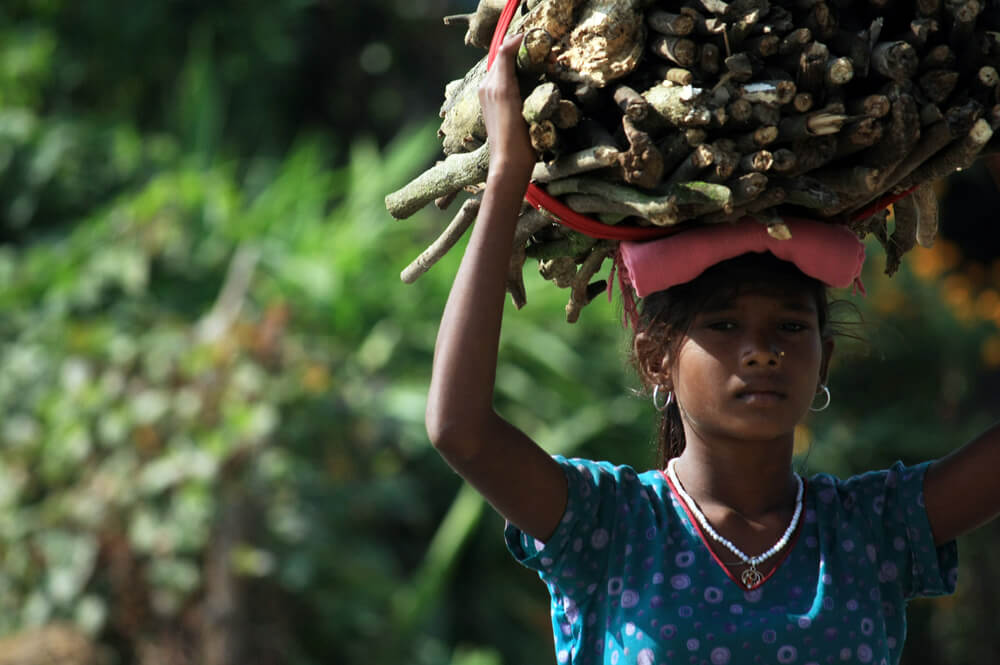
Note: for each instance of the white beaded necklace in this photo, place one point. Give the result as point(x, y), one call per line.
point(751, 577)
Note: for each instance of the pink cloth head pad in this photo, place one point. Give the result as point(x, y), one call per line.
point(829, 253)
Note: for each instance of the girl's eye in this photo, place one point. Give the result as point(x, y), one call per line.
point(792, 326)
point(721, 325)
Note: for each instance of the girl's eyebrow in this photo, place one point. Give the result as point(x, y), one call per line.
point(787, 304)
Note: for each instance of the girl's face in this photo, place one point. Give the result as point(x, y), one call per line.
point(750, 365)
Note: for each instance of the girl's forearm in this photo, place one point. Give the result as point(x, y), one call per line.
point(460, 401)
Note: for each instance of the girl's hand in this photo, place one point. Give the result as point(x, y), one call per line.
point(499, 95)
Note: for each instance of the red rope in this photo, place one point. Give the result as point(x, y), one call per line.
point(539, 198)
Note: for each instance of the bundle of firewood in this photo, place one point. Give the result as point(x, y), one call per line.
point(647, 113)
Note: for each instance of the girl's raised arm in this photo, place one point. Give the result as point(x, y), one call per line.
point(510, 470)
point(962, 490)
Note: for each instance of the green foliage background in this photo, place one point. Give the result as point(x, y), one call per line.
point(213, 382)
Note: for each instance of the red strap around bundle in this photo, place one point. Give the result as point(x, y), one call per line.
point(539, 198)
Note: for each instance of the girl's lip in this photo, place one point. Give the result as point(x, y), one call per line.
point(761, 397)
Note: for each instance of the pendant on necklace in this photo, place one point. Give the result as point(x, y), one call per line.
point(751, 577)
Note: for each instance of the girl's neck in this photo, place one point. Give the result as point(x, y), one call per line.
point(751, 479)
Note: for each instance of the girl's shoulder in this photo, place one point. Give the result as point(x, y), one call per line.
point(601, 473)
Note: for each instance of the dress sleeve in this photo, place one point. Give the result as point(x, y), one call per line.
point(904, 549)
point(575, 559)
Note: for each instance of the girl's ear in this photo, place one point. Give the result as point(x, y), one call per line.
point(824, 367)
point(653, 362)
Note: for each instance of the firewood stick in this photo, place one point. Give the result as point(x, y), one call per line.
point(904, 234)
point(857, 136)
point(785, 161)
point(591, 132)
point(857, 47)
point(699, 159)
point(529, 223)
point(680, 106)
point(677, 75)
point(695, 137)
point(590, 159)
point(632, 104)
point(766, 114)
point(812, 67)
point(481, 24)
point(742, 26)
point(724, 161)
point(939, 57)
point(822, 21)
point(985, 84)
point(759, 161)
point(958, 156)
point(849, 180)
point(795, 41)
point(963, 19)
point(806, 192)
point(802, 102)
point(740, 111)
point(455, 172)
point(813, 153)
point(681, 201)
point(740, 67)
point(778, 21)
point(920, 31)
point(756, 139)
point(567, 243)
point(579, 293)
point(642, 163)
point(708, 59)
point(451, 235)
point(674, 148)
point(895, 60)
point(746, 188)
point(679, 50)
point(554, 265)
point(714, 6)
point(769, 198)
point(901, 135)
point(567, 115)
point(938, 84)
point(775, 93)
point(543, 135)
point(591, 204)
point(541, 103)
point(763, 46)
point(930, 114)
point(926, 203)
point(928, 7)
point(710, 26)
point(873, 106)
point(817, 123)
point(839, 71)
point(670, 24)
point(444, 202)
point(534, 50)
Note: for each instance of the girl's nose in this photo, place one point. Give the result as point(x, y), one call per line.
point(761, 353)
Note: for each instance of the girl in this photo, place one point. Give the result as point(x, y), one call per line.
point(723, 554)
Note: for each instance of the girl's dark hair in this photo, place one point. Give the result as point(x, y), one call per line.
point(665, 317)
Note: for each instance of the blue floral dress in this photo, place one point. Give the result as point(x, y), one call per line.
point(633, 581)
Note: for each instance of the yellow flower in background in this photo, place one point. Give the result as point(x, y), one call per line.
point(931, 263)
point(957, 290)
point(988, 305)
point(991, 351)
